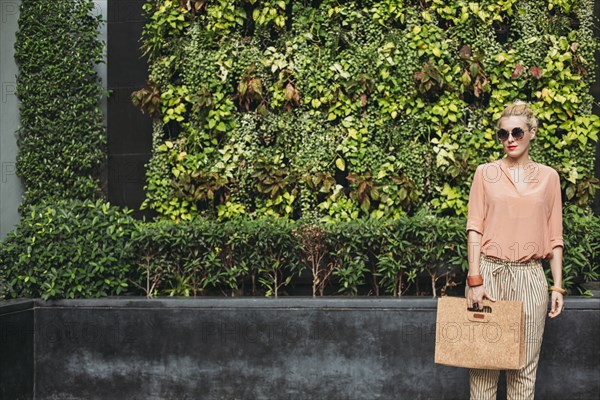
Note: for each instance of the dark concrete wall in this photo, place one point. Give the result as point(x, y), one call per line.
point(291, 348)
point(16, 350)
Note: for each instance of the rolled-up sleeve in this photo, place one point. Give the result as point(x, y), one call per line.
point(476, 208)
point(555, 219)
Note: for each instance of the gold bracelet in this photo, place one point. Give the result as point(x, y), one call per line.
point(557, 289)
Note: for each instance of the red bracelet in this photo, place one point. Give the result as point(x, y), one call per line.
point(475, 280)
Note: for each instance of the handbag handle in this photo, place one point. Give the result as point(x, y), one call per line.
point(483, 315)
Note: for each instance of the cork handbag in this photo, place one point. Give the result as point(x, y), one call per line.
point(490, 338)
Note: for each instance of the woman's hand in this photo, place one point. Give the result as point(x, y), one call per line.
point(476, 295)
point(556, 304)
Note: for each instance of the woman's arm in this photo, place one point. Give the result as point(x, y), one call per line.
point(475, 218)
point(475, 294)
point(473, 250)
point(557, 299)
point(556, 241)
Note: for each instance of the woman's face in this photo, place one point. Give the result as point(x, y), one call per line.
point(512, 147)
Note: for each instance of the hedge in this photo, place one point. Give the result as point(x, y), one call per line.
point(86, 249)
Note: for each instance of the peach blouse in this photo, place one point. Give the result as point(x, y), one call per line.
point(516, 226)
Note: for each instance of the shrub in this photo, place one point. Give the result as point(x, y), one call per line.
point(178, 259)
point(189, 257)
point(439, 247)
point(68, 249)
point(354, 247)
point(581, 258)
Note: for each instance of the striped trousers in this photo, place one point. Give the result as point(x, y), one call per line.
point(517, 281)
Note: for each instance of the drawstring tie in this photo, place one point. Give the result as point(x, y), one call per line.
point(502, 268)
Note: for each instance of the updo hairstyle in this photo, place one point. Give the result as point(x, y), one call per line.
point(519, 109)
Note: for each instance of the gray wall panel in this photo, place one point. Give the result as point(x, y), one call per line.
point(11, 188)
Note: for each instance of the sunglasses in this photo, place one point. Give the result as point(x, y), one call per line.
point(517, 133)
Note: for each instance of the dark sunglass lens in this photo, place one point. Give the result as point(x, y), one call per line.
point(517, 133)
point(502, 134)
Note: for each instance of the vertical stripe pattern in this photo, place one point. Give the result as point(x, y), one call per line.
point(516, 281)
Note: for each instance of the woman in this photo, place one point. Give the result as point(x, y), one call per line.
point(515, 220)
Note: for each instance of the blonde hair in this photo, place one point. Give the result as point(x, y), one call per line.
point(519, 109)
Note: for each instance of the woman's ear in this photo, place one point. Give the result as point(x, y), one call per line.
point(533, 132)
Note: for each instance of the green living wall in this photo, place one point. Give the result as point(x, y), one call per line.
point(62, 140)
point(335, 110)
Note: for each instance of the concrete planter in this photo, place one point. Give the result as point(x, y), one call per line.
point(259, 348)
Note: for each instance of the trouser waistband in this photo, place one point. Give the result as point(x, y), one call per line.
point(509, 263)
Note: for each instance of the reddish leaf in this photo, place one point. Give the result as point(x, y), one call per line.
point(536, 72)
point(519, 69)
